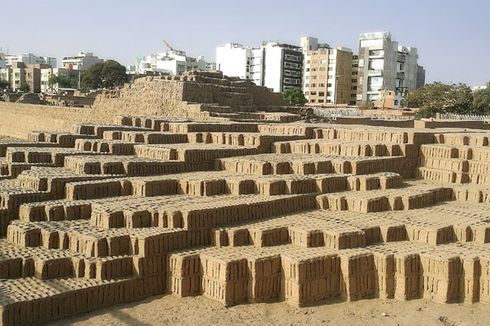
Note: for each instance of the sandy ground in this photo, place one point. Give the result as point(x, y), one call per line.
point(170, 310)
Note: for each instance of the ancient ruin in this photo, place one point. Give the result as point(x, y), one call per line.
point(243, 207)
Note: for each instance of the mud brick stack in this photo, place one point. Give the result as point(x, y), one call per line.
point(456, 158)
point(310, 277)
point(240, 212)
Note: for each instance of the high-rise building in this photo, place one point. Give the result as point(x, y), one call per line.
point(328, 76)
point(277, 66)
point(327, 73)
point(233, 59)
point(354, 73)
point(384, 65)
point(283, 66)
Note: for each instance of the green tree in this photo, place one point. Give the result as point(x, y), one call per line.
point(294, 96)
point(24, 87)
point(441, 98)
point(107, 74)
point(4, 84)
point(67, 81)
point(52, 80)
point(481, 101)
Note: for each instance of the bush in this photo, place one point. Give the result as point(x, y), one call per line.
point(4, 84)
point(294, 96)
point(24, 87)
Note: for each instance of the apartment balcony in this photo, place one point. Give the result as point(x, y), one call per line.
point(375, 72)
point(401, 58)
point(400, 75)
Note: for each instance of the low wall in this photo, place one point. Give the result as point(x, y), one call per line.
point(467, 124)
point(375, 122)
point(17, 120)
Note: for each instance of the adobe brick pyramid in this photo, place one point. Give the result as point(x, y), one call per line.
point(240, 212)
point(198, 95)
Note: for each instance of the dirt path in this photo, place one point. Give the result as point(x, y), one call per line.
point(170, 310)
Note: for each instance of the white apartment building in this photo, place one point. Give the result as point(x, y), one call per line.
point(29, 59)
point(233, 59)
point(172, 62)
point(46, 73)
point(283, 66)
point(385, 65)
point(274, 65)
point(81, 61)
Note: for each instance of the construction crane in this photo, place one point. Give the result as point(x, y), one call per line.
point(168, 46)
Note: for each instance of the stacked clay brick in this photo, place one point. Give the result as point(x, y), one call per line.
point(457, 158)
point(239, 212)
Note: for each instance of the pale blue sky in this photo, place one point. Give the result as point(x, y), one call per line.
point(452, 36)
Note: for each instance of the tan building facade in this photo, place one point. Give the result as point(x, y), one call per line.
point(26, 74)
point(328, 76)
point(387, 99)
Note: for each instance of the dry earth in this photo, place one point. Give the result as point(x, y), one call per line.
point(171, 310)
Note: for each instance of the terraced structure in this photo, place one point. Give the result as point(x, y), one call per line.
point(240, 212)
